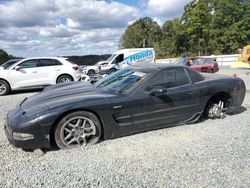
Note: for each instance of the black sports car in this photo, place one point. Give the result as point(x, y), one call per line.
point(129, 101)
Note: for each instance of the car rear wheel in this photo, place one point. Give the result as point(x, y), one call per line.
point(64, 78)
point(78, 129)
point(4, 88)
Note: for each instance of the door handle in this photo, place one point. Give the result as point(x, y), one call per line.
point(57, 69)
point(34, 72)
point(117, 107)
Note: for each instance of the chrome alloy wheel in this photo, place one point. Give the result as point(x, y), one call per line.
point(2, 88)
point(77, 131)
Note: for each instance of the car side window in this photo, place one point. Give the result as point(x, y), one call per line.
point(48, 62)
point(170, 78)
point(195, 76)
point(118, 59)
point(28, 64)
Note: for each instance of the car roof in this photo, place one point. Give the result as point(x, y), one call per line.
point(59, 58)
point(151, 67)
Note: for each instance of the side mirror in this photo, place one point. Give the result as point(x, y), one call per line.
point(157, 91)
point(17, 68)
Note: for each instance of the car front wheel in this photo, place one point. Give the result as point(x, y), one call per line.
point(78, 129)
point(111, 71)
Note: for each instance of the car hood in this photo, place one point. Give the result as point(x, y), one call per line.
point(63, 95)
point(90, 67)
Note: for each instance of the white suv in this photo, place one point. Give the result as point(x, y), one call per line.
point(36, 73)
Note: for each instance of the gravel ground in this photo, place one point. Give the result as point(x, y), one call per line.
point(213, 153)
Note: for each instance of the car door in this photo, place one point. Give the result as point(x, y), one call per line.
point(24, 74)
point(48, 70)
point(179, 102)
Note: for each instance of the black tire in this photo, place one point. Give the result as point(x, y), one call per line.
point(91, 72)
point(111, 71)
point(4, 88)
point(62, 130)
point(64, 78)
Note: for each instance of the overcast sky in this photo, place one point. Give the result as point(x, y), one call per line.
point(74, 27)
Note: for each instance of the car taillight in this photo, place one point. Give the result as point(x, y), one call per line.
point(75, 68)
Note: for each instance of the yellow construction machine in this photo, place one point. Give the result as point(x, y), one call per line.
point(244, 59)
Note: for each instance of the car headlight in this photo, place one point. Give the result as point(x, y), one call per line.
point(22, 136)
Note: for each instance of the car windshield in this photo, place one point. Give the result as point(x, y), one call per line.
point(9, 64)
point(181, 61)
point(111, 57)
point(121, 81)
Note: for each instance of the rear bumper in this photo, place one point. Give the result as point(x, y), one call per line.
point(238, 96)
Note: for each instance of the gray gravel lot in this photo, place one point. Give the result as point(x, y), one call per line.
point(213, 153)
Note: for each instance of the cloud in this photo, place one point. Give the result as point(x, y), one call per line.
point(27, 13)
point(84, 14)
point(59, 31)
point(90, 14)
point(166, 9)
point(58, 27)
point(73, 27)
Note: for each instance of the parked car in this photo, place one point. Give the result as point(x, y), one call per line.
point(36, 73)
point(92, 69)
point(201, 64)
point(129, 101)
point(9, 63)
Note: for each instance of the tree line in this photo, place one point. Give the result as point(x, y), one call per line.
point(80, 60)
point(206, 27)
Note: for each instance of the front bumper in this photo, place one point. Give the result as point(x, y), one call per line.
point(18, 123)
point(78, 77)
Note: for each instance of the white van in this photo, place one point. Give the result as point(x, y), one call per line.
point(126, 57)
point(121, 59)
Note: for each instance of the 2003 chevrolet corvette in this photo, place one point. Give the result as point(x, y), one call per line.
point(132, 100)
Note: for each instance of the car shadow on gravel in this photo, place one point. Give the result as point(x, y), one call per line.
point(239, 111)
point(25, 91)
point(203, 118)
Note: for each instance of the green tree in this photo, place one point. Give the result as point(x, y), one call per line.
point(145, 32)
point(196, 26)
point(169, 46)
point(230, 25)
point(3, 56)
